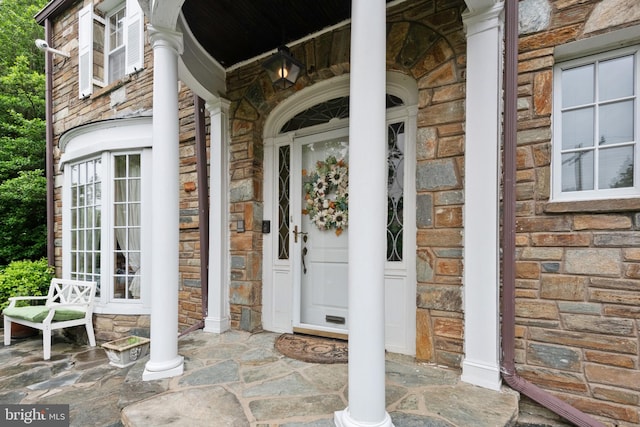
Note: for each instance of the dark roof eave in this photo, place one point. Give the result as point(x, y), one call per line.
point(52, 9)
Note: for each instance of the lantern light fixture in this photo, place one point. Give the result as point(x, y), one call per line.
point(283, 69)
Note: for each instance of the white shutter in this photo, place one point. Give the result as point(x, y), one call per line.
point(134, 28)
point(85, 51)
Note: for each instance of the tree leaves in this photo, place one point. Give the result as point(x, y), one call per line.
point(22, 133)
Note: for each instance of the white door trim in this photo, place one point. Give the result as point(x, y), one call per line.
point(280, 301)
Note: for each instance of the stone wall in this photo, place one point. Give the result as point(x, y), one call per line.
point(190, 294)
point(578, 281)
point(426, 41)
point(128, 97)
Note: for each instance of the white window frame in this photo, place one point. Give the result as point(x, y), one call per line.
point(556, 170)
point(133, 42)
point(110, 50)
point(105, 140)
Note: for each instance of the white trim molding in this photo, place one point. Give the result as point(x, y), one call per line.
point(218, 317)
point(481, 280)
point(108, 135)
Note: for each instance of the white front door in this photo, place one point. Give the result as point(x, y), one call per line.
point(320, 232)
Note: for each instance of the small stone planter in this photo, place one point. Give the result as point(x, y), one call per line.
point(126, 351)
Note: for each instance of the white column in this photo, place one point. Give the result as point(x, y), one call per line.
point(481, 365)
point(217, 319)
point(367, 218)
point(164, 360)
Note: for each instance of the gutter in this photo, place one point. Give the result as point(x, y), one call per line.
point(51, 10)
point(49, 172)
point(508, 369)
point(203, 212)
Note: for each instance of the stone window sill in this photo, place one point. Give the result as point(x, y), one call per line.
point(611, 205)
point(114, 85)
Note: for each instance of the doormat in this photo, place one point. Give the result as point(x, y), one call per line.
point(313, 349)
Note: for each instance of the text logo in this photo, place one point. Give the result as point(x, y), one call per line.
point(34, 415)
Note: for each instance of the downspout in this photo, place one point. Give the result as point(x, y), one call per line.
point(203, 212)
point(49, 173)
point(508, 370)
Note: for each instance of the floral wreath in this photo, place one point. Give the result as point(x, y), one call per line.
point(326, 193)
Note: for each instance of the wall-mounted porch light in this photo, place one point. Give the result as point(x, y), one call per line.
point(283, 68)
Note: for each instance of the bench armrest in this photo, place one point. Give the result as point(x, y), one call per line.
point(13, 300)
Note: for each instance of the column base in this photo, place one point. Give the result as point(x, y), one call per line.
point(343, 419)
point(157, 371)
point(216, 325)
point(481, 375)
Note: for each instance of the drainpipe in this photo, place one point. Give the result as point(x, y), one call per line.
point(508, 370)
point(203, 213)
point(48, 70)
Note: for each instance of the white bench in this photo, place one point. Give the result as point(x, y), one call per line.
point(68, 303)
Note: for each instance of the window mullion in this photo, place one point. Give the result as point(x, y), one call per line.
point(596, 127)
point(636, 137)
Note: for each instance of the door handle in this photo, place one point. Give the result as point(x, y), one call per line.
point(304, 265)
point(296, 232)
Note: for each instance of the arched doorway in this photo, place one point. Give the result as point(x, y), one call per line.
point(305, 254)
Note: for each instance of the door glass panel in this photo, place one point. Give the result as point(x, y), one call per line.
point(283, 201)
point(395, 191)
point(337, 108)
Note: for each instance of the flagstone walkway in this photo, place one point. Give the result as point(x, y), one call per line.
point(236, 379)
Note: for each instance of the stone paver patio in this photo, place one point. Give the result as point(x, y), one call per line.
point(235, 379)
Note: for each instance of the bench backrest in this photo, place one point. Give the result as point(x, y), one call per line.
point(63, 291)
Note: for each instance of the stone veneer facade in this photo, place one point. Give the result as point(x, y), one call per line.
point(128, 97)
point(578, 263)
point(578, 266)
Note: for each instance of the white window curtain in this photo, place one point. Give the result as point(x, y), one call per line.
point(127, 221)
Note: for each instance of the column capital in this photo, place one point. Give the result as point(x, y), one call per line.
point(482, 20)
point(217, 106)
point(165, 37)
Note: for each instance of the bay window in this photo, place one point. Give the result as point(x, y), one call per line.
point(106, 191)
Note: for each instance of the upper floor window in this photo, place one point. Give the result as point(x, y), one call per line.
point(595, 153)
point(110, 43)
point(116, 47)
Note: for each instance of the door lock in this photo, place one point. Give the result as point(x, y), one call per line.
point(296, 232)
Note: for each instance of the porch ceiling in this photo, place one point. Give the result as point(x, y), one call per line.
point(232, 31)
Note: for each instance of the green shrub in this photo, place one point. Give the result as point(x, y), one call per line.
point(24, 278)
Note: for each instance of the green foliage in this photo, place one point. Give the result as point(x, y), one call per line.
point(23, 225)
point(19, 30)
point(22, 125)
point(22, 133)
point(24, 278)
point(22, 92)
